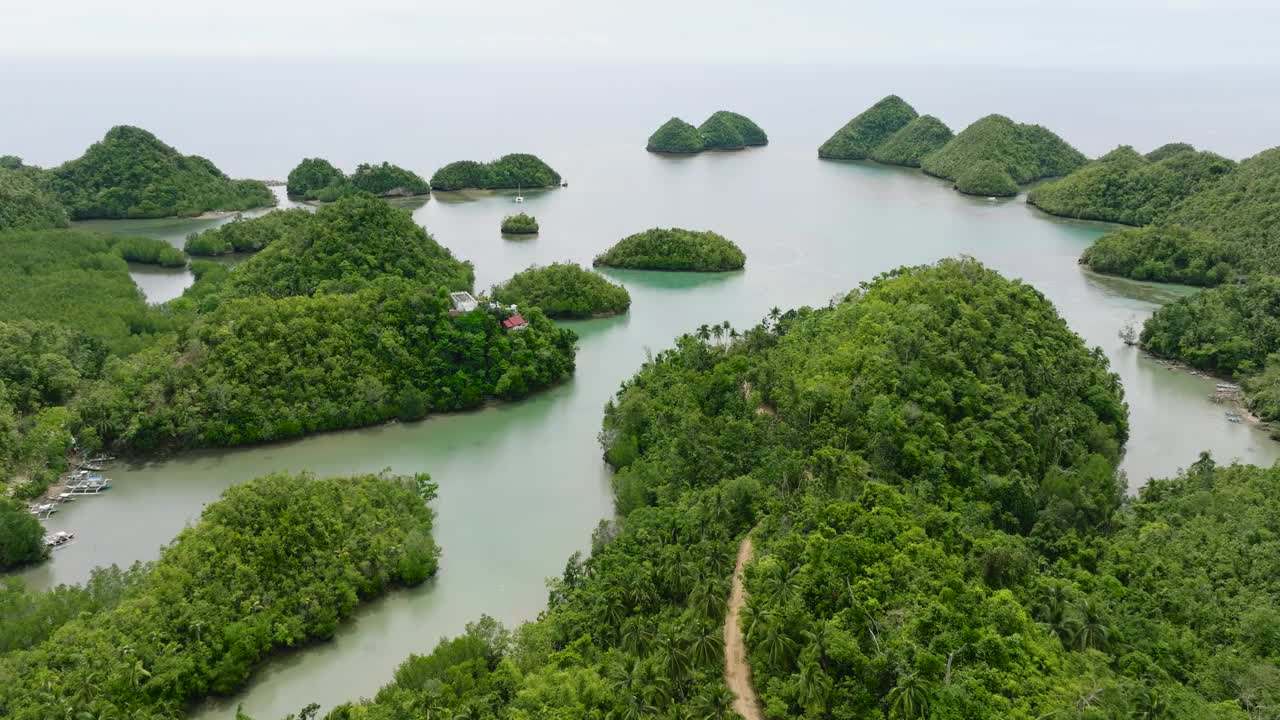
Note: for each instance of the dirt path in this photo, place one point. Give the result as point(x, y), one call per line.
point(737, 671)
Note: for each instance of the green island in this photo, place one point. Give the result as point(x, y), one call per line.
point(25, 204)
point(276, 563)
point(244, 235)
point(1126, 187)
point(1162, 253)
point(986, 177)
point(130, 173)
point(909, 146)
point(674, 249)
point(921, 483)
point(519, 224)
point(509, 172)
point(563, 290)
point(317, 179)
point(722, 130)
point(868, 130)
point(676, 136)
point(345, 321)
point(1023, 153)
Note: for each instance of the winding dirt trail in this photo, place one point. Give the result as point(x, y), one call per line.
point(737, 671)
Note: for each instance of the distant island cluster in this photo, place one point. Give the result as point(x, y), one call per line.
point(724, 130)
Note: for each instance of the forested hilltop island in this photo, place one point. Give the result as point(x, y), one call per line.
point(344, 319)
point(146, 642)
point(674, 249)
point(509, 172)
point(991, 157)
point(132, 174)
point(317, 179)
point(563, 290)
point(927, 470)
point(723, 130)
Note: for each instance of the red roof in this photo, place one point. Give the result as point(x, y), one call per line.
point(514, 322)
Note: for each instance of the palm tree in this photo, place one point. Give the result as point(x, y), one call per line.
point(707, 646)
point(1087, 626)
point(716, 703)
point(707, 598)
point(910, 698)
point(704, 332)
point(1150, 704)
point(776, 645)
point(717, 332)
point(815, 685)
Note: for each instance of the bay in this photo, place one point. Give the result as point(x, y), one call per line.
point(522, 485)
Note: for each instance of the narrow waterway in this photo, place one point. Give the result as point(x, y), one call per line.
point(522, 485)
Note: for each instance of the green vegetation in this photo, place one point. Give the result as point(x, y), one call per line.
point(563, 290)
point(676, 136)
point(344, 246)
point(1024, 152)
point(1241, 210)
point(866, 132)
point(1230, 329)
point(244, 236)
point(21, 536)
point(1162, 253)
point(752, 134)
point(917, 139)
point(674, 249)
point(341, 321)
point(28, 618)
point(720, 133)
point(387, 180)
point(986, 177)
point(76, 279)
point(277, 562)
point(311, 176)
point(132, 174)
point(150, 251)
point(507, 172)
point(1125, 187)
point(722, 130)
point(931, 468)
point(317, 179)
point(25, 205)
point(519, 224)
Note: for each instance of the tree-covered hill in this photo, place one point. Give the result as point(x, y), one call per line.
point(342, 246)
point(243, 235)
point(1162, 253)
point(911, 144)
point(262, 368)
point(1125, 187)
point(676, 136)
point(310, 176)
point(1024, 152)
point(940, 532)
point(132, 174)
point(563, 290)
point(752, 134)
point(721, 133)
point(862, 135)
point(507, 172)
point(722, 130)
point(25, 204)
point(674, 249)
point(318, 179)
point(275, 563)
point(1241, 210)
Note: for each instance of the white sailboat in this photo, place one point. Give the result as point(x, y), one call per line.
point(519, 194)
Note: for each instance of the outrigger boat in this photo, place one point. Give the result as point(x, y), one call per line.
point(58, 539)
point(43, 510)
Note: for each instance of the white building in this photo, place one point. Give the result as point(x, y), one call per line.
point(463, 302)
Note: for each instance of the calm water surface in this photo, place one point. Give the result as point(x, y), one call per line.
point(522, 485)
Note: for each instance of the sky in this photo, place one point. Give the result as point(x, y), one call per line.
point(1122, 34)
